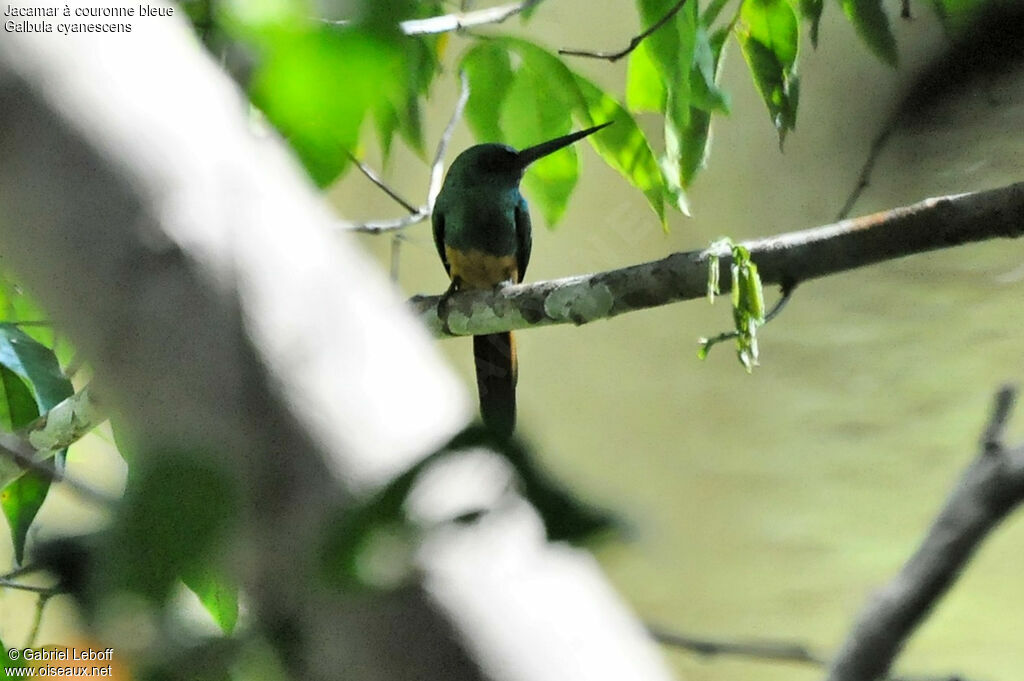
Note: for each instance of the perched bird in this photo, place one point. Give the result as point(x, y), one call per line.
point(482, 233)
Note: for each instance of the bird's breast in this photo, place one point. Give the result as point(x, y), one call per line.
point(480, 270)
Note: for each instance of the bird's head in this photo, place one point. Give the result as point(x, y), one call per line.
point(500, 164)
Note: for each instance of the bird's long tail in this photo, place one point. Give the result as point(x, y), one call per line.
point(496, 373)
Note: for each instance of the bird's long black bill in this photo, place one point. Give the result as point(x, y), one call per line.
point(531, 154)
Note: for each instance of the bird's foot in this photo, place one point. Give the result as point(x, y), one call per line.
point(444, 306)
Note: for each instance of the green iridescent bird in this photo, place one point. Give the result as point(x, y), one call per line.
point(482, 232)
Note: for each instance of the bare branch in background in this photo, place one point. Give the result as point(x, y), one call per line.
point(941, 222)
point(420, 214)
point(990, 488)
point(456, 21)
point(633, 44)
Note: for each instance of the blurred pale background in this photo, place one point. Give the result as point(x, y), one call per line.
point(765, 505)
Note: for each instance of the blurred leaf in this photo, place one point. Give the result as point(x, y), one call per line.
point(957, 15)
point(712, 11)
point(768, 33)
point(811, 11)
point(21, 498)
point(353, 532)
point(317, 86)
point(532, 113)
point(644, 89)
point(175, 509)
point(32, 383)
point(489, 71)
point(8, 664)
point(217, 593)
point(872, 24)
point(21, 501)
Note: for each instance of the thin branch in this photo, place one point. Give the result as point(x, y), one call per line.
point(37, 620)
point(633, 44)
point(991, 487)
point(774, 651)
point(437, 167)
point(932, 224)
point(766, 651)
point(21, 586)
point(420, 214)
point(21, 453)
point(457, 21)
point(373, 177)
point(864, 179)
point(462, 20)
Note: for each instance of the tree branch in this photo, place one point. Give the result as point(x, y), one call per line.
point(456, 21)
point(461, 20)
point(633, 44)
point(932, 224)
point(991, 487)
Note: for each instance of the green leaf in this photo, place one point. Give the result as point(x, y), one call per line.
point(958, 15)
point(811, 11)
point(488, 70)
point(668, 45)
point(8, 664)
point(316, 86)
point(21, 501)
point(534, 112)
point(768, 33)
point(217, 593)
point(872, 24)
point(644, 88)
point(176, 509)
point(623, 146)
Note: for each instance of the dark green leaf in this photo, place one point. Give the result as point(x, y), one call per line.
point(534, 112)
point(958, 15)
point(175, 509)
point(36, 363)
point(811, 11)
point(872, 24)
point(768, 33)
point(217, 593)
point(489, 71)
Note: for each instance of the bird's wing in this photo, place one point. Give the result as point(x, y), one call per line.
point(524, 237)
point(437, 218)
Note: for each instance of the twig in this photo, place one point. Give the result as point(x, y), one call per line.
point(942, 222)
point(19, 451)
point(633, 44)
point(991, 487)
point(420, 214)
point(864, 179)
point(21, 586)
point(457, 22)
point(765, 650)
point(775, 651)
point(373, 177)
point(437, 168)
point(37, 621)
point(787, 292)
point(446, 23)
